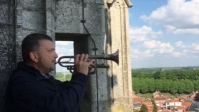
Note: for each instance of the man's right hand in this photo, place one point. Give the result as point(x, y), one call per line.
point(82, 63)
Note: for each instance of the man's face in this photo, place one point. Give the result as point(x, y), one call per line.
point(47, 56)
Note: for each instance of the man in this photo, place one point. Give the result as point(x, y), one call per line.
point(32, 89)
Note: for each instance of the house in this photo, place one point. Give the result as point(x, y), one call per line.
point(166, 110)
point(159, 109)
point(186, 105)
point(149, 105)
point(193, 95)
point(157, 94)
point(160, 101)
point(150, 109)
point(182, 98)
point(137, 106)
point(137, 103)
point(173, 103)
point(137, 100)
point(180, 109)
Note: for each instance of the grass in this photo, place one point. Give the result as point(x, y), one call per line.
point(150, 95)
point(147, 95)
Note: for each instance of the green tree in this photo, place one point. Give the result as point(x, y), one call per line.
point(136, 111)
point(181, 86)
point(143, 86)
point(196, 85)
point(189, 86)
point(156, 75)
point(170, 75)
point(173, 87)
point(151, 84)
point(136, 86)
point(166, 85)
point(155, 109)
point(141, 76)
point(159, 85)
point(143, 108)
point(163, 75)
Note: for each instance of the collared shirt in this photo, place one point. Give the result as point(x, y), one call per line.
point(46, 76)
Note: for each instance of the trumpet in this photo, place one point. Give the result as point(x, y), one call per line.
point(112, 57)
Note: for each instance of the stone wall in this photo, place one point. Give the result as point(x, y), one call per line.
point(69, 15)
point(31, 18)
point(7, 46)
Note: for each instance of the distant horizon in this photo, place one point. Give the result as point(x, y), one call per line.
point(146, 68)
point(167, 67)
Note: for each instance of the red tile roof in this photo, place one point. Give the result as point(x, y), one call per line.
point(165, 110)
point(186, 105)
point(173, 100)
point(159, 108)
point(137, 100)
point(150, 109)
point(181, 108)
point(147, 103)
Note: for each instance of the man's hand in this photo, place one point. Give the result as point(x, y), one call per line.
point(82, 63)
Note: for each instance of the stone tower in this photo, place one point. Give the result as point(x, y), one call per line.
point(96, 27)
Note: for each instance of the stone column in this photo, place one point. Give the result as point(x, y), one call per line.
point(119, 34)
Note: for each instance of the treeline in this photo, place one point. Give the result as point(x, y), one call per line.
point(168, 81)
point(167, 74)
point(149, 85)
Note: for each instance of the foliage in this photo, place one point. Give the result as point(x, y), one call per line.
point(63, 77)
point(174, 81)
point(143, 108)
point(136, 111)
point(155, 109)
point(146, 85)
point(169, 74)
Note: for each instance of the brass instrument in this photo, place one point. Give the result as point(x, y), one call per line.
point(113, 57)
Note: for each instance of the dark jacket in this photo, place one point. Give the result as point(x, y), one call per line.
point(29, 91)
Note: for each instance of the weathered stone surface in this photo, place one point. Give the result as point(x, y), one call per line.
point(36, 5)
point(68, 16)
point(120, 40)
point(7, 46)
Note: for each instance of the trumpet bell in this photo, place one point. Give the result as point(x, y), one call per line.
point(115, 57)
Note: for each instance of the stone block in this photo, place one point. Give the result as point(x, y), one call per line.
point(68, 17)
point(36, 5)
point(50, 21)
point(33, 20)
point(100, 1)
point(93, 18)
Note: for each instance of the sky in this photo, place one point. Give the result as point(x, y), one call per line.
point(163, 33)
